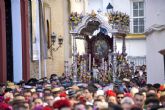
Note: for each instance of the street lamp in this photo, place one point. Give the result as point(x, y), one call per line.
point(109, 8)
point(60, 40)
point(53, 38)
point(51, 48)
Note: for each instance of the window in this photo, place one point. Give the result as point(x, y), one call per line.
point(138, 17)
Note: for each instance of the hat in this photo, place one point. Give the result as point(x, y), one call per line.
point(126, 80)
point(32, 82)
point(118, 82)
point(27, 87)
point(99, 92)
point(47, 86)
point(74, 87)
point(11, 85)
point(57, 89)
point(71, 93)
point(21, 82)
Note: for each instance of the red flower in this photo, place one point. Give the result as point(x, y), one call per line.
point(7, 99)
point(61, 103)
point(110, 93)
point(63, 94)
point(4, 106)
point(82, 100)
point(47, 108)
point(161, 88)
point(127, 95)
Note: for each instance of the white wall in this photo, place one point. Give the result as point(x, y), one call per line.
point(77, 6)
point(134, 47)
point(17, 40)
point(118, 5)
point(155, 64)
point(94, 5)
point(155, 10)
point(155, 14)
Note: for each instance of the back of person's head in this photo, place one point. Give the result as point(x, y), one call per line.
point(135, 108)
point(152, 100)
point(119, 92)
point(127, 100)
point(151, 95)
point(19, 107)
point(89, 107)
point(156, 85)
point(115, 107)
point(134, 90)
point(152, 90)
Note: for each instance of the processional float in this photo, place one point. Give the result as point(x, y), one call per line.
point(117, 67)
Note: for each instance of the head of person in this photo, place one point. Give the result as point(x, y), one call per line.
point(151, 95)
point(19, 103)
point(79, 106)
point(139, 99)
point(34, 95)
point(162, 98)
point(88, 94)
point(89, 107)
point(152, 90)
point(20, 107)
point(120, 96)
point(47, 91)
point(28, 95)
point(115, 107)
point(136, 108)
point(98, 104)
point(133, 91)
point(101, 97)
point(38, 102)
point(111, 97)
point(151, 103)
point(126, 103)
point(49, 99)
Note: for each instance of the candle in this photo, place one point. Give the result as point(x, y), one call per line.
point(89, 62)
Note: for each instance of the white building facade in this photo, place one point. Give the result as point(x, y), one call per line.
point(135, 41)
point(155, 37)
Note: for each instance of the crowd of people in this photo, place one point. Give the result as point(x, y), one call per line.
point(57, 93)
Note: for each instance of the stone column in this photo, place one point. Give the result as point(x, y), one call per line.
point(3, 70)
point(18, 39)
point(25, 40)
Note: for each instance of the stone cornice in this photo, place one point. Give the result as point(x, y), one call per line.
point(153, 28)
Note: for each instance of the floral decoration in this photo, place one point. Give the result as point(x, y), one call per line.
point(75, 19)
point(118, 18)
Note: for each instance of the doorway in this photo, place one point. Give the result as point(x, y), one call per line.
point(9, 40)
